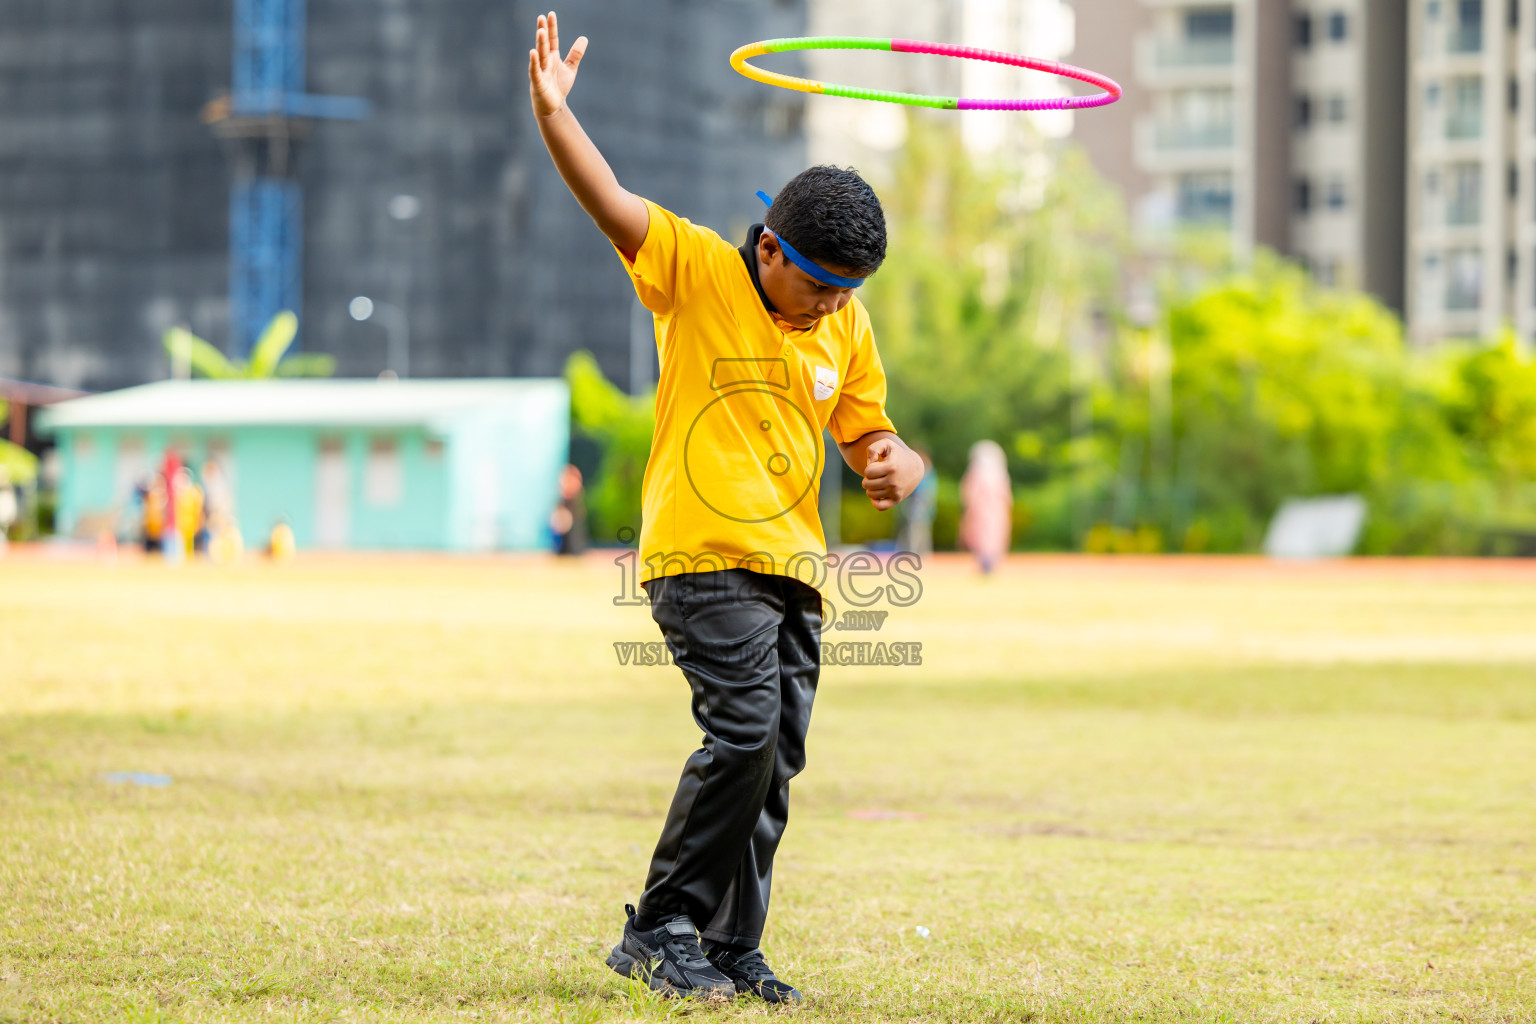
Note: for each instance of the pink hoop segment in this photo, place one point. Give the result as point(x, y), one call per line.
point(1110, 94)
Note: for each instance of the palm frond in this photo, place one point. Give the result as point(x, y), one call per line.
point(204, 359)
point(307, 364)
point(272, 345)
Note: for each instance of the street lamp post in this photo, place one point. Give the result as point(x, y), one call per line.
point(396, 327)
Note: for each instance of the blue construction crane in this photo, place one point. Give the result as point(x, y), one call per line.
point(266, 116)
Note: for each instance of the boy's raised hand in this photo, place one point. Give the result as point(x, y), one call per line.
point(620, 214)
point(550, 78)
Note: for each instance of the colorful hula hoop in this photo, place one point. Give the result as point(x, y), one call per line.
point(739, 60)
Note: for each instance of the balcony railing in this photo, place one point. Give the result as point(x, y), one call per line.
point(1463, 298)
point(1464, 39)
point(1175, 136)
point(1193, 53)
point(1464, 124)
point(1463, 213)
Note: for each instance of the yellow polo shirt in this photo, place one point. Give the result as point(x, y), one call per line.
point(735, 470)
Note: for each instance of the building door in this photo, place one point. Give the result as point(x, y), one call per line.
point(333, 492)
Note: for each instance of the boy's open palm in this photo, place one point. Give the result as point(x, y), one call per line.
point(550, 78)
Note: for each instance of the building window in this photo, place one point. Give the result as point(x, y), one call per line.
point(1514, 14)
point(1336, 109)
point(1432, 10)
point(1303, 108)
point(1303, 196)
point(1199, 119)
point(1464, 204)
point(1337, 198)
point(1514, 181)
point(1464, 120)
point(1464, 288)
point(1432, 94)
point(1205, 198)
point(384, 474)
point(1302, 31)
point(1514, 94)
point(1512, 266)
point(1338, 27)
point(1213, 24)
point(1466, 35)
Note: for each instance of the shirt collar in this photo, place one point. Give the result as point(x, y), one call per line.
point(749, 256)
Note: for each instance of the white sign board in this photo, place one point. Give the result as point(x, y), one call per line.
point(1316, 527)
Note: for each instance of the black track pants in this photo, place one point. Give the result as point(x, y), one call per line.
point(749, 645)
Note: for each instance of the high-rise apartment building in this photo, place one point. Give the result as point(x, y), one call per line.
point(1470, 168)
point(1279, 121)
point(1209, 84)
point(1347, 138)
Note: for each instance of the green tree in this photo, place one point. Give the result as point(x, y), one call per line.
point(1491, 404)
point(269, 357)
point(622, 426)
point(990, 273)
point(1280, 388)
point(17, 465)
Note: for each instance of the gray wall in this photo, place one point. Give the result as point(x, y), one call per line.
point(1106, 42)
point(113, 194)
point(1386, 150)
point(1272, 113)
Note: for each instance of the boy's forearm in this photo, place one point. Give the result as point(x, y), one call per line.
point(618, 213)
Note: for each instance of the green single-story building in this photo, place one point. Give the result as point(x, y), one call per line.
point(455, 465)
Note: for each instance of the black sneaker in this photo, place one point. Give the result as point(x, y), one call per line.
point(669, 960)
point(751, 973)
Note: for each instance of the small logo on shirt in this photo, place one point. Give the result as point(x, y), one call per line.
point(826, 383)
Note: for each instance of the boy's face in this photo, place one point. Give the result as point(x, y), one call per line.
point(800, 298)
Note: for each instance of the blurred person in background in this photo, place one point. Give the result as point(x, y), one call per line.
point(169, 536)
point(915, 515)
point(281, 544)
point(188, 502)
point(986, 499)
point(153, 505)
point(224, 542)
point(569, 519)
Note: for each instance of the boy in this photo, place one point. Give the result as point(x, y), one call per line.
point(761, 348)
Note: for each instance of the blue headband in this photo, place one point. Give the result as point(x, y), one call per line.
point(806, 265)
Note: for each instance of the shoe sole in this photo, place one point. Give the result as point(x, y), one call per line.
point(744, 989)
point(627, 966)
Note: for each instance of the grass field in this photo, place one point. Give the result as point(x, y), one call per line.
point(422, 790)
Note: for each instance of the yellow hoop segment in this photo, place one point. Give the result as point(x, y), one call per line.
point(745, 53)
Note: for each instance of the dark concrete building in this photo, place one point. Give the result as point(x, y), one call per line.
point(114, 194)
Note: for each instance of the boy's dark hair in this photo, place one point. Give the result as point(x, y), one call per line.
point(832, 217)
